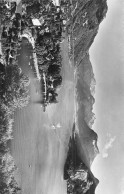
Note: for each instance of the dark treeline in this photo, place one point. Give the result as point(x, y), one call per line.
point(13, 93)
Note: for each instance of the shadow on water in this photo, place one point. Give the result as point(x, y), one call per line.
point(73, 160)
point(74, 165)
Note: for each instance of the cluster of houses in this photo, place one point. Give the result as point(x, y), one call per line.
point(48, 37)
point(46, 21)
point(11, 33)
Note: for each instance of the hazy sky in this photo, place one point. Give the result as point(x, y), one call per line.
point(107, 57)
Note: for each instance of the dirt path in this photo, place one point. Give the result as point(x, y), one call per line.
point(40, 139)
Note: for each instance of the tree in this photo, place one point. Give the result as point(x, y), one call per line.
point(54, 70)
point(33, 9)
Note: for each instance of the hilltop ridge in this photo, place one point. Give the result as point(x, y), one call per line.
point(82, 28)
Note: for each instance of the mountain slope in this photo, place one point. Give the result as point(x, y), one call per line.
point(85, 18)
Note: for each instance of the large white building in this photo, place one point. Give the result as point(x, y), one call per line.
point(56, 2)
point(38, 22)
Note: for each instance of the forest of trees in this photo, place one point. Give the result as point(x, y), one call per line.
point(13, 94)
